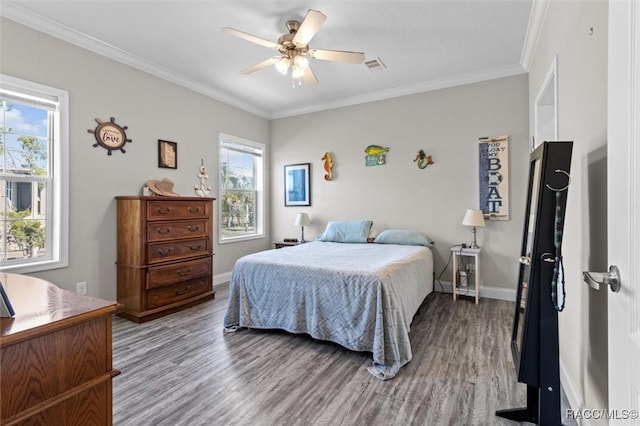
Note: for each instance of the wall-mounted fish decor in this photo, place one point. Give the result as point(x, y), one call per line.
point(328, 165)
point(423, 160)
point(375, 155)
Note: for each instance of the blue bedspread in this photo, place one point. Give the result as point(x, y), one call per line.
point(361, 296)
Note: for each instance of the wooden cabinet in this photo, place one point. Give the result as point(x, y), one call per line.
point(55, 356)
point(165, 248)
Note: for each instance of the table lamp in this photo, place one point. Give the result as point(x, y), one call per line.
point(473, 218)
point(302, 220)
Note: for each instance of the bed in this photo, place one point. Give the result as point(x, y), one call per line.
point(362, 296)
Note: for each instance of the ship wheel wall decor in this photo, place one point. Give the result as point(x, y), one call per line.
point(110, 135)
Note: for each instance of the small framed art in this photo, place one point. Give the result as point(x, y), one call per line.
point(167, 154)
point(297, 184)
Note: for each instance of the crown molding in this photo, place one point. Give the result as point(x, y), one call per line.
point(534, 29)
point(55, 29)
point(38, 22)
point(427, 86)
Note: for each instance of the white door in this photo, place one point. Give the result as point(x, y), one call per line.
point(623, 208)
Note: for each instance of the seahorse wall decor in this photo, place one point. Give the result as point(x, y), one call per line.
point(328, 165)
point(423, 160)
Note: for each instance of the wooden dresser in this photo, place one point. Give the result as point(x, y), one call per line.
point(55, 356)
point(165, 249)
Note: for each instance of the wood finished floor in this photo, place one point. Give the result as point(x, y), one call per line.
point(183, 370)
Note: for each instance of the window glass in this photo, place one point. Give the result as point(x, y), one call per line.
point(241, 177)
point(30, 138)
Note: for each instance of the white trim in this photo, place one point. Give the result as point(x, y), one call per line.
point(534, 28)
point(40, 23)
point(55, 29)
point(486, 292)
point(60, 186)
point(260, 182)
point(221, 279)
point(551, 77)
point(573, 395)
point(412, 89)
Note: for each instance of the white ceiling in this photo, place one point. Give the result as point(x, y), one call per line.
point(425, 44)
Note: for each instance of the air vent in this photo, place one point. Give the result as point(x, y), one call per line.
point(375, 64)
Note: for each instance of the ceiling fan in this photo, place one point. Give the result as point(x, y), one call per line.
point(294, 49)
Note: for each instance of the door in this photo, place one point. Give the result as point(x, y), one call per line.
point(623, 208)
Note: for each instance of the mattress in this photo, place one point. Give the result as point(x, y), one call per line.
point(361, 296)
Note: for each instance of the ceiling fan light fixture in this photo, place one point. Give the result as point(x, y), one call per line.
point(283, 65)
point(296, 71)
point(301, 62)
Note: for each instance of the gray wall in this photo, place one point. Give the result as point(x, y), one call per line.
point(445, 124)
point(582, 79)
point(152, 109)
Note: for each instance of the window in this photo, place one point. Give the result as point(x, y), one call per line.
point(241, 189)
point(33, 176)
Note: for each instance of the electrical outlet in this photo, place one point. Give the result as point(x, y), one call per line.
point(81, 287)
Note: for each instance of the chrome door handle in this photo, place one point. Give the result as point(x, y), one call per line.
point(611, 278)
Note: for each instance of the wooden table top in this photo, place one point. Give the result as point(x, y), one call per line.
point(41, 306)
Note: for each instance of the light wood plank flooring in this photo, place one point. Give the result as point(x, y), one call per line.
point(183, 370)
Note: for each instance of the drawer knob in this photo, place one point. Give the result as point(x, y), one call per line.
point(165, 211)
point(164, 253)
point(183, 273)
point(193, 228)
point(163, 231)
point(194, 248)
point(194, 209)
point(182, 291)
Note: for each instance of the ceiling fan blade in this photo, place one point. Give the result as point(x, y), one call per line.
point(251, 38)
point(261, 65)
point(337, 56)
point(309, 27)
point(309, 78)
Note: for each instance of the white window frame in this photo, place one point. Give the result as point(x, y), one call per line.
point(58, 199)
point(260, 188)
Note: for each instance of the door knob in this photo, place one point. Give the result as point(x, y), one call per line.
point(611, 278)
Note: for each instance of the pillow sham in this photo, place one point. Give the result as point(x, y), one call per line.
point(347, 231)
point(404, 237)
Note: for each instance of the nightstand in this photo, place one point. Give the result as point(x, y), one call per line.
point(281, 244)
point(471, 257)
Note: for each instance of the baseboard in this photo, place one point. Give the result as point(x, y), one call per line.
point(573, 396)
point(487, 292)
point(221, 278)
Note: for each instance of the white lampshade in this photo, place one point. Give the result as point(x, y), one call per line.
point(302, 219)
point(473, 218)
point(283, 65)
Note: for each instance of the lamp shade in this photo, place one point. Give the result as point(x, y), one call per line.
point(302, 219)
point(473, 218)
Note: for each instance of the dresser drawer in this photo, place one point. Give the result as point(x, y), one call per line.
point(159, 276)
point(157, 231)
point(174, 209)
point(166, 295)
point(176, 250)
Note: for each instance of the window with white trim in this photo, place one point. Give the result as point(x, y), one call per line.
point(33, 176)
point(241, 198)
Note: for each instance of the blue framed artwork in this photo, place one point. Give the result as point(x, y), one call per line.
point(297, 184)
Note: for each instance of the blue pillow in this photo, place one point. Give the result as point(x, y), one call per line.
point(350, 231)
point(404, 237)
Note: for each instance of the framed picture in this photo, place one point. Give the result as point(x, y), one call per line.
point(167, 154)
point(297, 184)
